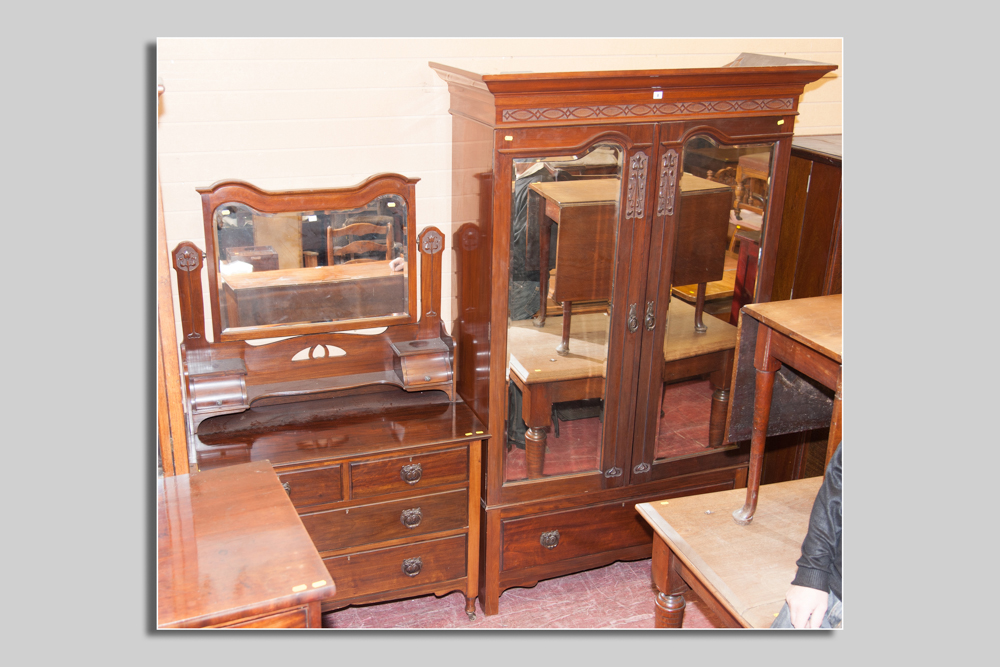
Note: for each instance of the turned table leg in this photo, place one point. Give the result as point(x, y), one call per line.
point(766, 366)
point(536, 411)
point(668, 603)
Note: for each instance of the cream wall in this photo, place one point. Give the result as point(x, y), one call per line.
point(320, 113)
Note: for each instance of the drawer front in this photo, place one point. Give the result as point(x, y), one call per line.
point(398, 567)
point(370, 524)
point(378, 478)
point(313, 487)
point(425, 369)
point(539, 540)
point(292, 618)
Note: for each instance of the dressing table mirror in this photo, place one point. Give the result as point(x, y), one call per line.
point(310, 261)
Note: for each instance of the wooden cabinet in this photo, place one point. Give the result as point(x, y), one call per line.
point(564, 293)
point(809, 248)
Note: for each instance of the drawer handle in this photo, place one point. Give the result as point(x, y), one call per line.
point(411, 566)
point(287, 486)
point(411, 473)
point(411, 517)
point(550, 540)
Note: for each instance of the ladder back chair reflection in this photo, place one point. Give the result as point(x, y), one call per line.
point(361, 249)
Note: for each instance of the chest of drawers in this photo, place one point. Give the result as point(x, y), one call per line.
point(391, 516)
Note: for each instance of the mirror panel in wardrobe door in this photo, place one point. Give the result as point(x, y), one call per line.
point(564, 231)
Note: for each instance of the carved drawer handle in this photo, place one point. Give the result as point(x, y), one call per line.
point(411, 566)
point(550, 540)
point(650, 315)
point(633, 319)
point(287, 487)
point(411, 473)
point(411, 517)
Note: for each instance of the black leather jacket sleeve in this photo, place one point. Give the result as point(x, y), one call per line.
point(820, 564)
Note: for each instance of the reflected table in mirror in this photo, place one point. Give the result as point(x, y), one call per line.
point(545, 378)
point(586, 214)
point(316, 294)
point(232, 552)
point(741, 572)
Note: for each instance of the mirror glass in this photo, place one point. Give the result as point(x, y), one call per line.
point(564, 228)
point(723, 205)
point(311, 266)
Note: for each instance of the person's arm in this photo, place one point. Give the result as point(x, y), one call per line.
point(809, 594)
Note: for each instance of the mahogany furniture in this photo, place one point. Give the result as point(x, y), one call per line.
point(378, 456)
point(578, 514)
point(809, 248)
point(232, 552)
point(806, 335)
point(741, 572)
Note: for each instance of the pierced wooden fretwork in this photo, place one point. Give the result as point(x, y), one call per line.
point(544, 114)
point(668, 184)
point(318, 352)
point(636, 195)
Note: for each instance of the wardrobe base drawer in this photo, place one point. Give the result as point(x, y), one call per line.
point(538, 540)
point(399, 567)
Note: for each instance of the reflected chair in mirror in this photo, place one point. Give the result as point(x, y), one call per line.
point(362, 248)
point(753, 166)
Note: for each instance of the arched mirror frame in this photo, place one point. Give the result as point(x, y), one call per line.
point(271, 202)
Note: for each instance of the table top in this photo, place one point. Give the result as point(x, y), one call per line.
point(605, 190)
point(533, 354)
point(229, 543)
point(748, 569)
point(827, 144)
point(311, 275)
point(579, 193)
point(533, 349)
point(816, 322)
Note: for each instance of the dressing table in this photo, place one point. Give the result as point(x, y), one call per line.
point(343, 381)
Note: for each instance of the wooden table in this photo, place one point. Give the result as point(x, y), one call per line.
point(233, 553)
point(741, 572)
point(544, 378)
point(807, 335)
point(586, 212)
point(315, 294)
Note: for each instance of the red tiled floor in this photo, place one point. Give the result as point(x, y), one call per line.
point(616, 597)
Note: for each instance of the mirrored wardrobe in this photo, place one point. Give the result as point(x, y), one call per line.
point(601, 220)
